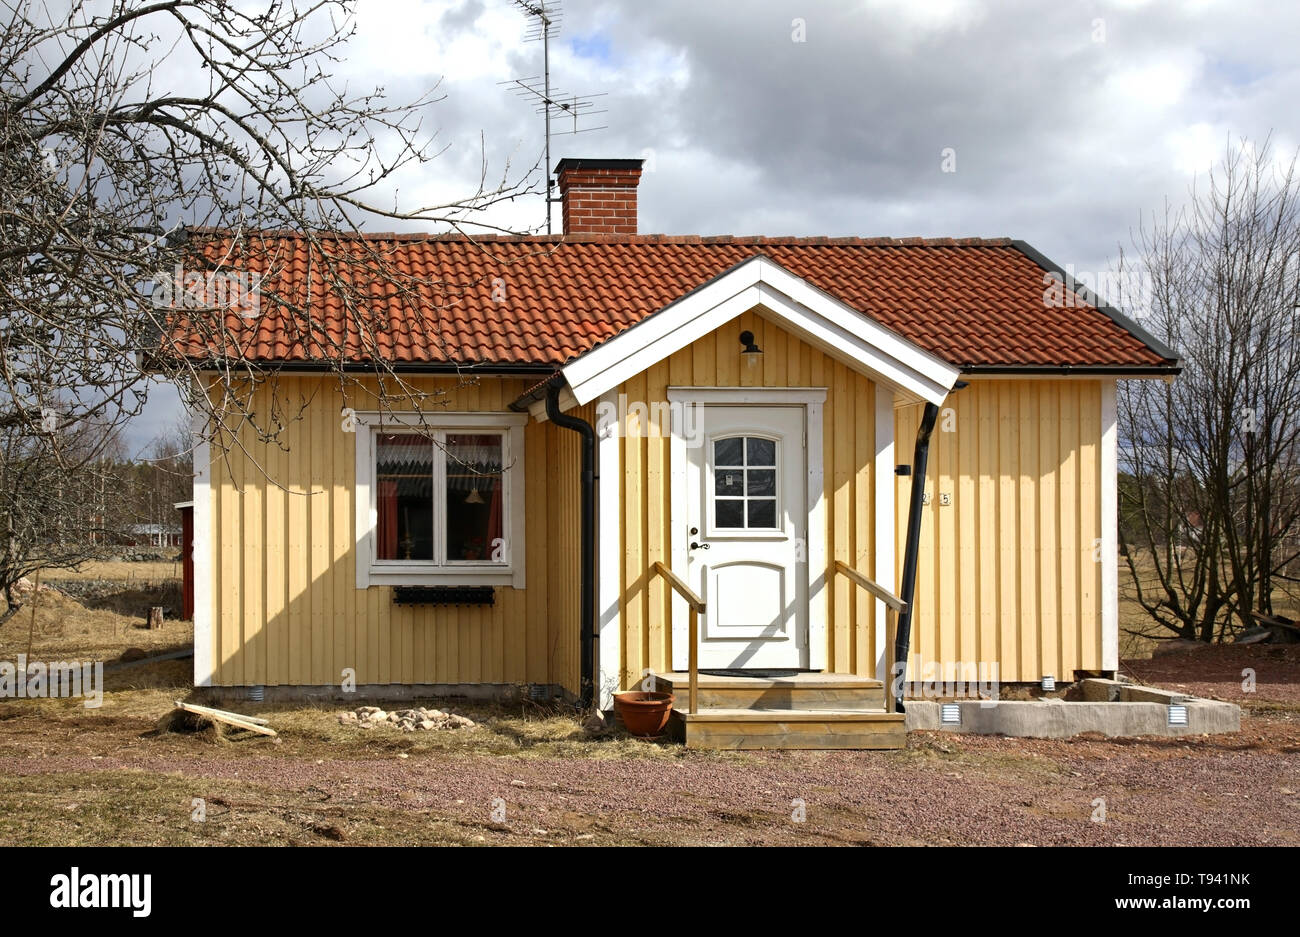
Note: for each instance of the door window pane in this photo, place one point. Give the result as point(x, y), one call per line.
point(762, 513)
point(729, 451)
point(404, 499)
point(760, 451)
point(474, 519)
point(730, 513)
point(761, 482)
point(729, 481)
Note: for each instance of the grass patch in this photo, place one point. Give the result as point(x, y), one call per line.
point(64, 629)
point(119, 570)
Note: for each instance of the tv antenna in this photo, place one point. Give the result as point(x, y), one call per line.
point(544, 22)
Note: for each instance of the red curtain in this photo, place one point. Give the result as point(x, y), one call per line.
point(387, 505)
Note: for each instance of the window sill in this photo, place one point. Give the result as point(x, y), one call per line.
point(445, 576)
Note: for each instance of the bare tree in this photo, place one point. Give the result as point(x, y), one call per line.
point(48, 487)
point(1210, 500)
point(144, 148)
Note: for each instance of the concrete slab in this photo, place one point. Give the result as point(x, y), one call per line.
point(1061, 719)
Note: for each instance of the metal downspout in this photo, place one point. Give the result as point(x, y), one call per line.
point(907, 587)
point(587, 574)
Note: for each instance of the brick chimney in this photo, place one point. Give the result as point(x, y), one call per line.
point(598, 195)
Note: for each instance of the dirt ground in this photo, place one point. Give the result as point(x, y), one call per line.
point(526, 775)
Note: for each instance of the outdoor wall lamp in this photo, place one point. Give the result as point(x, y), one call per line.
point(752, 354)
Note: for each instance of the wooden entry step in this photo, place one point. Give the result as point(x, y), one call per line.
point(789, 729)
point(798, 692)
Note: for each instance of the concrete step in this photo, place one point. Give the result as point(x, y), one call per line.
point(805, 691)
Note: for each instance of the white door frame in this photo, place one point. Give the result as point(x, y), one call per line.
point(812, 399)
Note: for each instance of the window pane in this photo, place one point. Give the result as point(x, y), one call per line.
point(762, 513)
point(729, 513)
point(761, 482)
point(474, 519)
point(729, 481)
point(404, 471)
point(761, 451)
point(728, 451)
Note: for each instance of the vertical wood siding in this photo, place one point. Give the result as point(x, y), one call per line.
point(1008, 570)
point(285, 607)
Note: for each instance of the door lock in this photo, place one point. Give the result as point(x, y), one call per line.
point(699, 546)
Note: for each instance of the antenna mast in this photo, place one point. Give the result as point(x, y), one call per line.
point(545, 16)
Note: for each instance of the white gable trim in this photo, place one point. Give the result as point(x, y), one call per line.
point(817, 317)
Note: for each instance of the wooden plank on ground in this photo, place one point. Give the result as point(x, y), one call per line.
point(251, 723)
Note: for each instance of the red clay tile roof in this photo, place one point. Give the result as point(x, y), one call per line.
point(544, 300)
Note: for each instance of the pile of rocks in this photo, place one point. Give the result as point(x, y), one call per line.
point(24, 589)
point(408, 720)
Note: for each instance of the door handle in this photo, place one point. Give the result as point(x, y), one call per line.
point(699, 546)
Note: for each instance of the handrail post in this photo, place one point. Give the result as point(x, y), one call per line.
point(891, 629)
point(696, 606)
point(894, 606)
point(694, 658)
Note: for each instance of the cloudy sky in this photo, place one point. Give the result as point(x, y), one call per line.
point(1065, 121)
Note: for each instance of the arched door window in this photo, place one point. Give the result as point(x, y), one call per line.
point(744, 483)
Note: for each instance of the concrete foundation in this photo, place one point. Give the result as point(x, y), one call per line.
point(1147, 714)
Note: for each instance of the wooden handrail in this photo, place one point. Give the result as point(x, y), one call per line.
point(696, 605)
point(682, 589)
point(892, 601)
point(894, 606)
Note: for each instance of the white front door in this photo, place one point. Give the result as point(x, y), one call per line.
point(747, 516)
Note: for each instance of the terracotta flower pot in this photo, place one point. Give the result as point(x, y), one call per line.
point(644, 714)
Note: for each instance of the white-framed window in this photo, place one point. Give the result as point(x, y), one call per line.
point(440, 500)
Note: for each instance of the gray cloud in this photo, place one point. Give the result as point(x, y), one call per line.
point(1059, 139)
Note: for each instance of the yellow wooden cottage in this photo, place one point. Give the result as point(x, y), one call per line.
point(601, 431)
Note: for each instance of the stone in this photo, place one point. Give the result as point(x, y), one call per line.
point(22, 590)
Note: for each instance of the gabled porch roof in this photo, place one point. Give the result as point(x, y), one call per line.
point(820, 319)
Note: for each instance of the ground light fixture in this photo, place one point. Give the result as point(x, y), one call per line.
point(950, 714)
point(1049, 683)
point(1177, 714)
